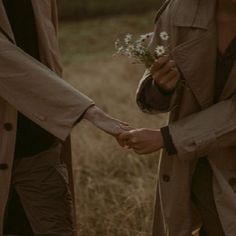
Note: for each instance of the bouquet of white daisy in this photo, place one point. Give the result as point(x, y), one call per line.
point(137, 48)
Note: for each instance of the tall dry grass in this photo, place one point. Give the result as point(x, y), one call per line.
point(114, 187)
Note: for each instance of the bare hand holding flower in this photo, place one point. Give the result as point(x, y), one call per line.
point(165, 73)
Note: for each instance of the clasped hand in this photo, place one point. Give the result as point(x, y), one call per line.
point(105, 122)
point(142, 141)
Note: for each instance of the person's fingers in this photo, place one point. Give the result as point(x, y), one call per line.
point(172, 83)
point(143, 151)
point(170, 77)
point(159, 63)
point(125, 136)
point(118, 122)
point(131, 142)
point(140, 151)
point(122, 143)
point(125, 127)
point(164, 70)
point(123, 123)
point(117, 127)
point(138, 146)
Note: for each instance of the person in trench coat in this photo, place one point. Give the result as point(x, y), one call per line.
point(196, 83)
point(31, 88)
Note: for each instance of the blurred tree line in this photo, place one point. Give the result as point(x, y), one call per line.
point(82, 9)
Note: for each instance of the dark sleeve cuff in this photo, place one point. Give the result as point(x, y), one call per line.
point(168, 142)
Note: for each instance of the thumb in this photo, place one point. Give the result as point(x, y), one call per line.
point(125, 127)
point(125, 136)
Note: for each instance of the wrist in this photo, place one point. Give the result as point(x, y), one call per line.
point(92, 113)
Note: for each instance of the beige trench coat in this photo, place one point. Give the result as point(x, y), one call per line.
point(197, 125)
point(33, 89)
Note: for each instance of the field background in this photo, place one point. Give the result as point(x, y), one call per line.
point(84, 9)
point(114, 187)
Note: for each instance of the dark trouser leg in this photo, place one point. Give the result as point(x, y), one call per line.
point(16, 221)
point(203, 197)
point(42, 184)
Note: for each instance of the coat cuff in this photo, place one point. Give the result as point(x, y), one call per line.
point(150, 99)
point(81, 117)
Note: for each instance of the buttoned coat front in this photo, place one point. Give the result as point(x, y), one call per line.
point(35, 89)
point(199, 127)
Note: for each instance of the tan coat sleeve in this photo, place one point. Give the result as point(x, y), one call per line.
point(38, 92)
point(149, 98)
point(198, 134)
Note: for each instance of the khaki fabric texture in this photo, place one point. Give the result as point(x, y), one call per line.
point(36, 90)
point(198, 126)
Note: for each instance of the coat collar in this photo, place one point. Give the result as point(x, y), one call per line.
point(193, 13)
point(48, 48)
point(5, 26)
point(196, 60)
point(196, 57)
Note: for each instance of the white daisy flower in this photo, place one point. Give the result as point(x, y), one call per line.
point(120, 49)
point(140, 49)
point(137, 48)
point(117, 43)
point(144, 37)
point(160, 51)
point(128, 38)
point(164, 36)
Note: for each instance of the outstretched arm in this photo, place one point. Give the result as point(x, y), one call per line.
point(194, 136)
point(37, 92)
point(41, 95)
point(105, 122)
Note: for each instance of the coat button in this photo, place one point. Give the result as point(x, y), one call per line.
point(166, 178)
point(8, 126)
point(3, 166)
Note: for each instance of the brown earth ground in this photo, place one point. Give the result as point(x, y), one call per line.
point(114, 187)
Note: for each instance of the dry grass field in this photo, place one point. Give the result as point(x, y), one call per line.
point(83, 9)
point(115, 188)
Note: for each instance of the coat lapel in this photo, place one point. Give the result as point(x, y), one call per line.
point(197, 58)
point(193, 13)
point(39, 16)
point(5, 26)
point(47, 40)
